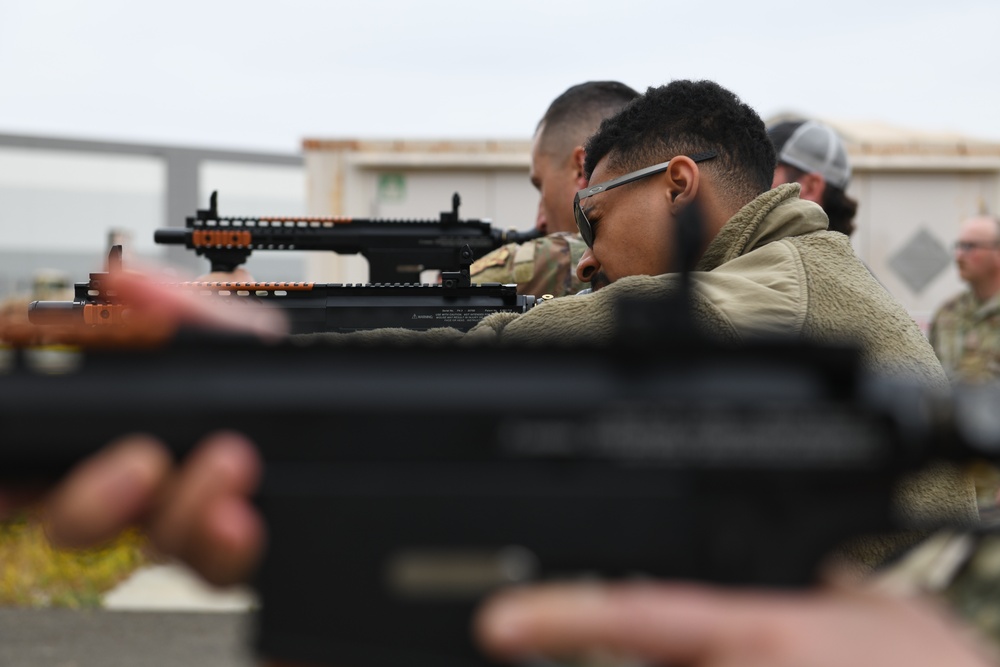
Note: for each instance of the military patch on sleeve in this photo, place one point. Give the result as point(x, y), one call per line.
point(524, 262)
point(498, 257)
point(526, 252)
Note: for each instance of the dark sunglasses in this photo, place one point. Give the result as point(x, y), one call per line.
point(583, 224)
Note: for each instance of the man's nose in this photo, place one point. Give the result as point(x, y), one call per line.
point(588, 266)
point(541, 221)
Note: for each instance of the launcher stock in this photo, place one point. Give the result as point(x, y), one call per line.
point(313, 307)
point(397, 250)
point(397, 495)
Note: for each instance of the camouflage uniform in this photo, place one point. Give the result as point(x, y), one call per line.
point(966, 337)
point(962, 570)
point(545, 265)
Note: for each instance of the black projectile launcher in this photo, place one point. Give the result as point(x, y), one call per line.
point(312, 307)
point(396, 250)
point(399, 491)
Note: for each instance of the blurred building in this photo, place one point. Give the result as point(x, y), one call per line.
point(414, 180)
point(62, 200)
point(913, 188)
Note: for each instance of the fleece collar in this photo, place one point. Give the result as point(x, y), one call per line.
point(774, 215)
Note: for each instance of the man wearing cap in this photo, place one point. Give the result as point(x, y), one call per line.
point(547, 265)
point(812, 155)
point(965, 332)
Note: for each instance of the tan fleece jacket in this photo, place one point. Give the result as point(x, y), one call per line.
point(772, 268)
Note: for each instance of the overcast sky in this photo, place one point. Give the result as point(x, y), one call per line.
point(265, 75)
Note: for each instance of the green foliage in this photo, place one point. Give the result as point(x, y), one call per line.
point(33, 574)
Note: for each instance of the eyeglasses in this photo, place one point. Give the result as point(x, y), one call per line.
point(585, 226)
point(969, 246)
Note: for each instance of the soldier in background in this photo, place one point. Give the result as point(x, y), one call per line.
point(547, 265)
point(965, 332)
point(812, 155)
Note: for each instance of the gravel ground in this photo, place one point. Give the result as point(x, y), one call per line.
point(99, 638)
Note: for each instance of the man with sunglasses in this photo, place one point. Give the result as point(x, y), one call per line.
point(547, 265)
point(765, 261)
point(965, 332)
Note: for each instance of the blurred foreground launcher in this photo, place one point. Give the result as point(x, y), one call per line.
point(396, 250)
point(313, 307)
point(396, 498)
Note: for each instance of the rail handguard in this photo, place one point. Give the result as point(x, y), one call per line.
point(396, 250)
point(313, 307)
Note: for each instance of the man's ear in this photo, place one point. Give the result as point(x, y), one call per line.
point(683, 179)
point(813, 187)
point(577, 160)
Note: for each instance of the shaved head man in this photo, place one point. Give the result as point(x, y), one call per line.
point(547, 265)
point(965, 332)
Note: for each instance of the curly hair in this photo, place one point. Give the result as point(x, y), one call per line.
point(685, 117)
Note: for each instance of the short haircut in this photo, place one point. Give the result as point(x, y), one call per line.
point(683, 118)
point(577, 113)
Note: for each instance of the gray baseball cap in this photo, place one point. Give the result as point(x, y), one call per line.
point(812, 147)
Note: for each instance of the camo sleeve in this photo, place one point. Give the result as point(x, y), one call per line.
point(542, 266)
point(960, 569)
